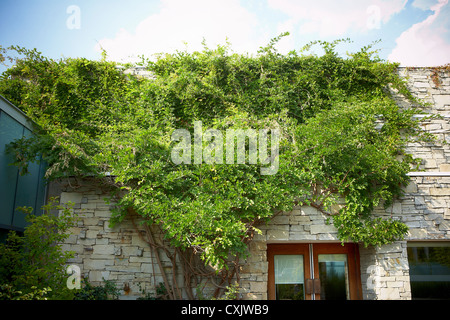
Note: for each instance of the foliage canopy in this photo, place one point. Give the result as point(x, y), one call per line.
point(95, 120)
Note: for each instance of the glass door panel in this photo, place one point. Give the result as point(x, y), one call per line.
point(333, 275)
point(289, 277)
point(288, 268)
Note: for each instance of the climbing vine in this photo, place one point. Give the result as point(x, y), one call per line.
point(94, 120)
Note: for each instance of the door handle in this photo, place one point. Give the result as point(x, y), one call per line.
point(316, 283)
point(312, 286)
point(309, 286)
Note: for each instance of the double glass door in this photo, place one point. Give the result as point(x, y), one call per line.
point(319, 271)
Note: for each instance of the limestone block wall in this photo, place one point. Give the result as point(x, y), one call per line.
point(104, 252)
point(384, 270)
point(119, 253)
point(303, 224)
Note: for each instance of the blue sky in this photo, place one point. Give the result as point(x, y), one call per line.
point(412, 32)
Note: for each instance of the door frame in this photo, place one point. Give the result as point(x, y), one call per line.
point(350, 249)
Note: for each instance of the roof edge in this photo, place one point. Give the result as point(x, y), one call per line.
point(14, 112)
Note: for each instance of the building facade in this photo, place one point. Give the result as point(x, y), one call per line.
point(298, 255)
point(17, 190)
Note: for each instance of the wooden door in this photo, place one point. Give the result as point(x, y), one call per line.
point(313, 271)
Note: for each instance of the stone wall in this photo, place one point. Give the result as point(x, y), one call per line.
point(120, 254)
point(303, 224)
point(103, 252)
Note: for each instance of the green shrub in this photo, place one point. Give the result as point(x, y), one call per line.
point(108, 291)
point(33, 265)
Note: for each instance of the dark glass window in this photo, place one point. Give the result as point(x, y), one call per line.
point(429, 270)
point(9, 131)
point(17, 190)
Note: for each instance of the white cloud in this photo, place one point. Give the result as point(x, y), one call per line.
point(336, 18)
point(426, 43)
point(181, 22)
point(424, 4)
